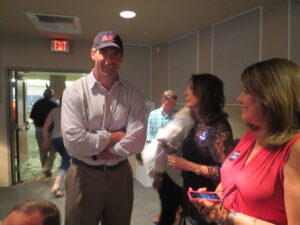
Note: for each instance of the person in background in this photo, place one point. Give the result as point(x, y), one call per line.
point(260, 179)
point(103, 123)
point(207, 143)
point(160, 117)
point(38, 114)
point(168, 184)
point(54, 117)
point(33, 212)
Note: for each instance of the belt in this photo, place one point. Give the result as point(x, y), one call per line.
point(104, 168)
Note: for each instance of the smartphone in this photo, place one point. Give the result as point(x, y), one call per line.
point(209, 196)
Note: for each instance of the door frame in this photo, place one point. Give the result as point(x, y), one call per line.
point(12, 128)
point(12, 138)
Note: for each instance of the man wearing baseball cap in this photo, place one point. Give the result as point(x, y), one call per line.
point(103, 123)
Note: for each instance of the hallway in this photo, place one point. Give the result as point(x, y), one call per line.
point(32, 168)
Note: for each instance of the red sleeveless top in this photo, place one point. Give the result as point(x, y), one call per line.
point(256, 189)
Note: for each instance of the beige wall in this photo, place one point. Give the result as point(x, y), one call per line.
point(205, 50)
point(273, 41)
point(160, 72)
point(183, 62)
point(295, 31)
point(275, 30)
point(234, 117)
point(35, 53)
point(136, 67)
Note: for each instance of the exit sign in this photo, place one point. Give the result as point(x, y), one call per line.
point(59, 45)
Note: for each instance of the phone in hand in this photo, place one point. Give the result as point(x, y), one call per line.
point(208, 196)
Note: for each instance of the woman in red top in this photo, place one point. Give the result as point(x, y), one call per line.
point(260, 179)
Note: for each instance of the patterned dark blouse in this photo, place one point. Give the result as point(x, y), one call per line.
point(206, 144)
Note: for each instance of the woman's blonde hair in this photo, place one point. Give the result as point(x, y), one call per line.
point(275, 83)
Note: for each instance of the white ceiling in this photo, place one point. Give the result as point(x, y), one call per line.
point(157, 21)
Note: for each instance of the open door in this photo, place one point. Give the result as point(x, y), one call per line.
point(25, 88)
point(22, 120)
point(20, 125)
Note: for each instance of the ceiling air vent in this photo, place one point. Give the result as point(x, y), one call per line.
point(55, 23)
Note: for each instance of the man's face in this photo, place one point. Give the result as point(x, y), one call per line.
point(169, 103)
point(107, 62)
point(20, 218)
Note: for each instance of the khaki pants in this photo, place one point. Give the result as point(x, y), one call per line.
point(47, 156)
point(93, 196)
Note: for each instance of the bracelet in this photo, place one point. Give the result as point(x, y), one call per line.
point(231, 217)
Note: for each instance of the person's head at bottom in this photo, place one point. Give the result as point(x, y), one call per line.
point(33, 212)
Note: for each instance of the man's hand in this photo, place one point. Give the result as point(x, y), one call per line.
point(157, 181)
point(179, 163)
point(115, 137)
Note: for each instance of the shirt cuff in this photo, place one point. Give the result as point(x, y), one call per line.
point(103, 140)
point(118, 150)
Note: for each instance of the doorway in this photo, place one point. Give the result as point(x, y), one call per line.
point(25, 88)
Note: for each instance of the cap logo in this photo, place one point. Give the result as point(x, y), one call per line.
point(108, 38)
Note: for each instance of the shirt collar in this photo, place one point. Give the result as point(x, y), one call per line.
point(166, 115)
point(92, 81)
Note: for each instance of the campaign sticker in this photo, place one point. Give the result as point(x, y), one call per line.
point(235, 155)
point(203, 136)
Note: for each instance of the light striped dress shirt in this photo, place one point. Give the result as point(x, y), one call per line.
point(90, 113)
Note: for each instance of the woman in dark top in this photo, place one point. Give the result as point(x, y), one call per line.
point(208, 142)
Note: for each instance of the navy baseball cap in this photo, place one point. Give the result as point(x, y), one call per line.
point(108, 39)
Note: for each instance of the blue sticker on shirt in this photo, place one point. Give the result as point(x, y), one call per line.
point(203, 136)
point(235, 155)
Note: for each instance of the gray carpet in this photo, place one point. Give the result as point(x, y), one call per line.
point(31, 169)
point(146, 202)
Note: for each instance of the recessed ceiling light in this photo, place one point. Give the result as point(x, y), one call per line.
point(127, 14)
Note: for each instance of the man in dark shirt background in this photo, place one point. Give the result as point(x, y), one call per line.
point(39, 113)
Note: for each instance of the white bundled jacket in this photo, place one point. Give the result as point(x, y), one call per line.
point(155, 157)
